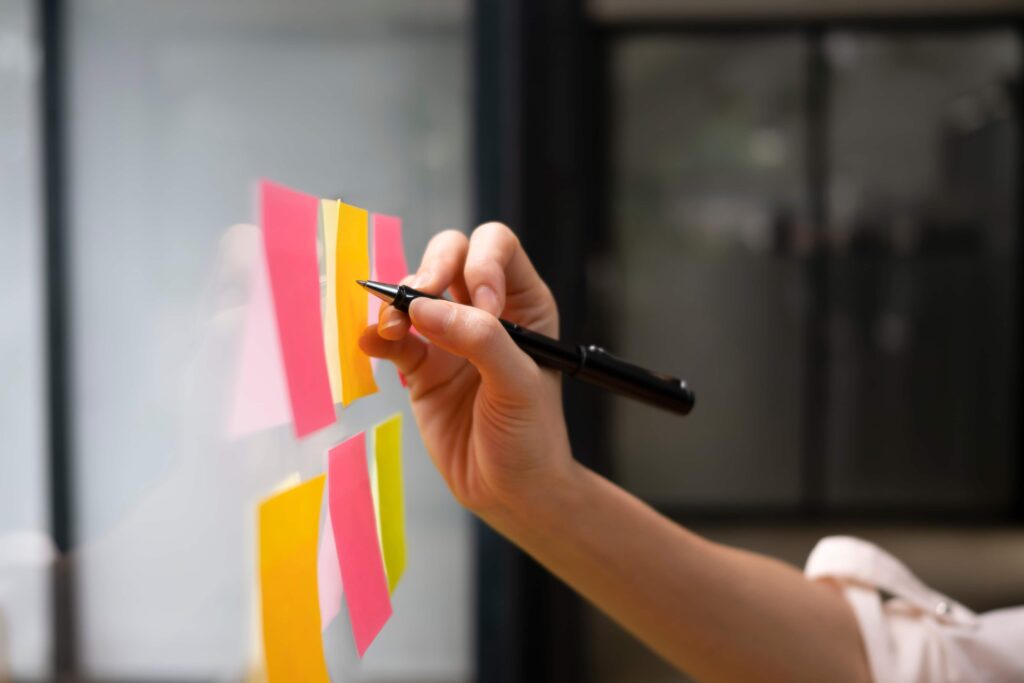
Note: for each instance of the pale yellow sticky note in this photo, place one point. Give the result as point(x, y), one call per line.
point(289, 527)
point(329, 229)
point(387, 461)
point(353, 263)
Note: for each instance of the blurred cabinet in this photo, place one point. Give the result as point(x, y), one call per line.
point(899, 304)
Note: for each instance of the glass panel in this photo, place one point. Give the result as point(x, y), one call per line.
point(922, 333)
point(176, 109)
point(705, 278)
point(25, 545)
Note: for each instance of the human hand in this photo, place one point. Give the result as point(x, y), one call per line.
point(490, 417)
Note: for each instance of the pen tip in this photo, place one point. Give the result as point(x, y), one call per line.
point(361, 283)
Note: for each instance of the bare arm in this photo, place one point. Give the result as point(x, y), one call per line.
point(719, 613)
point(492, 422)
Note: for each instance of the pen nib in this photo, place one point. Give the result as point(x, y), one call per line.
point(380, 290)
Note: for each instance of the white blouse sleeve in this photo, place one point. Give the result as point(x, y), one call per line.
point(911, 633)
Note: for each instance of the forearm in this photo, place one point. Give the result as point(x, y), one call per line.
point(718, 613)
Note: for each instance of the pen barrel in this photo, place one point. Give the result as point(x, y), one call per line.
point(546, 351)
point(664, 391)
point(594, 365)
point(591, 364)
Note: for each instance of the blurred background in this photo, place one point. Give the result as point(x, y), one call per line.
point(808, 210)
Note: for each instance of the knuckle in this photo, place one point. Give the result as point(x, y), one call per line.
point(479, 330)
point(496, 229)
point(452, 235)
point(442, 243)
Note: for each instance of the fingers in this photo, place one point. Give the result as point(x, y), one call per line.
point(441, 267)
point(423, 365)
point(392, 324)
point(407, 353)
point(499, 275)
point(477, 336)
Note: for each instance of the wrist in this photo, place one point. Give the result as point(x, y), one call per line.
point(540, 507)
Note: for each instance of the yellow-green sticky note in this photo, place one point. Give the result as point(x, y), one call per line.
point(353, 263)
point(329, 230)
point(387, 447)
point(289, 526)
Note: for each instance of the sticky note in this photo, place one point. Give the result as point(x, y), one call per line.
point(353, 263)
point(355, 536)
point(260, 399)
point(387, 461)
point(388, 251)
point(256, 657)
point(289, 221)
point(373, 305)
point(389, 264)
point(289, 525)
point(328, 575)
point(328, 257)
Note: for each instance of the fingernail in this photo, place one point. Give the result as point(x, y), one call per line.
point(431, 315)
point(391, 322)
point(485, 298)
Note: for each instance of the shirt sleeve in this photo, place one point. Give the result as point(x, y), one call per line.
point(911, 633)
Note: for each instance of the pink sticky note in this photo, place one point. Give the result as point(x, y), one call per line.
point(260, 400)
point(373, 314)
point(374, 304)
point(388, 252)
point(289, 221)
point(355, 536)
point(389, 262)
point(328, 576)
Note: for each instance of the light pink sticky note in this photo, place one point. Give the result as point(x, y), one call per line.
point(260, 400)
point(389, 262)
point(289, 221)
point(328, 576)
point(355, 536)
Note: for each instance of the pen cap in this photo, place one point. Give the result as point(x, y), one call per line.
point(663, 391)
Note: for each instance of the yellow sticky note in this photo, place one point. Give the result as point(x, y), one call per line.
point(289, 526)
point(353, 263)
point(256, 657)
point(329, 229)
point(387, 462)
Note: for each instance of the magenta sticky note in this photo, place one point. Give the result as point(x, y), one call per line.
point(389, 262)
point(328, 576)
point(260, 399)
point(289, 221)
point(355, 536)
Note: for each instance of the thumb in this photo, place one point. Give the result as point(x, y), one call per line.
point(479, 337)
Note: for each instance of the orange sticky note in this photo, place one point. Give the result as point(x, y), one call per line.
point(289, 526)
point(352, 263)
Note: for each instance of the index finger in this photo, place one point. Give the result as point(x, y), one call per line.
point(441, 266)
point(500, 277)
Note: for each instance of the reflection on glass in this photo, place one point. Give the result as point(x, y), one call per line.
point(26, 549)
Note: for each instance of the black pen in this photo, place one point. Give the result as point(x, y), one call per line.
point(589, 363)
